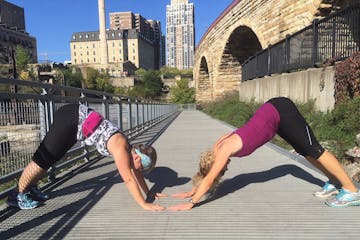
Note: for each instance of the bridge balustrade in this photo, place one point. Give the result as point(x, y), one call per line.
point(26, 112)
point(334, 37)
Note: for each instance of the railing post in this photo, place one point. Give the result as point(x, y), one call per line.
point(287, 53)
point(269, 61)
point(315, 30)
point(333, 52)
point(137, 113)
point(143, 112)
point(130, 114)
point(120, 115)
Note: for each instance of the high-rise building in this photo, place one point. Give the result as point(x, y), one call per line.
point(180, 34)
point(149, 29)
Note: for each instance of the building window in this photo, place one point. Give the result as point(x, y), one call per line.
point(94, 59)
point(74, 46)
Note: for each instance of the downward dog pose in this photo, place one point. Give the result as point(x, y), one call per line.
point(278, 115)
point(74, 122)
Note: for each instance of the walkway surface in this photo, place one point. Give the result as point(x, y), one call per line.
point(267, 195)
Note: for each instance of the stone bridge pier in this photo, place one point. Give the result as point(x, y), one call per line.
point(244, 28)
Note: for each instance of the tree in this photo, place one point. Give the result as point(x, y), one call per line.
point(90, 79)
point(152, 84)
point(182, 93)
point(22, 59)
point(169, 72)
point(73, 77)
point(103, 83)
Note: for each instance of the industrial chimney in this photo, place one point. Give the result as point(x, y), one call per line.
point(102, 36)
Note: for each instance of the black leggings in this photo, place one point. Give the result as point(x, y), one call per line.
point(60, 137)
point(294, 129)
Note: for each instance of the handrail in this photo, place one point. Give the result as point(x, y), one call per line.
point(336, 36)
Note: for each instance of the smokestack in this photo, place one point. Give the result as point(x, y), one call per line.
point(102, 36)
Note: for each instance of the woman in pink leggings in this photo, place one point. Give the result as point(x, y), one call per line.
point(276, 116)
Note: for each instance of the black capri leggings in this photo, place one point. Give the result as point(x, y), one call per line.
point(60, 137)
point(294, 129)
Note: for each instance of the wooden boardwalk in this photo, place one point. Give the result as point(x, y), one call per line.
point(267, 195)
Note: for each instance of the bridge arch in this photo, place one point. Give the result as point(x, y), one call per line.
point(242, 29)
point(204, 84)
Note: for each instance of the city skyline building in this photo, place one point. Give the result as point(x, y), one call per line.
point(150, 29)
point(180, 34)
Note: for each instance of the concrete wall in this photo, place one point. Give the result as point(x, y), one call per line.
point(315, 83)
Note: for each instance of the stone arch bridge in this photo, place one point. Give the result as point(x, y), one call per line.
point(244, 28)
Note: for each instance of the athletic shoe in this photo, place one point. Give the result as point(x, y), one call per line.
point(26, 202)
point(327, 190)
point(37, 194)
point(344, 198)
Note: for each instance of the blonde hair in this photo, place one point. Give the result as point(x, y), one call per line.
point(206, 162)
point(149, 151)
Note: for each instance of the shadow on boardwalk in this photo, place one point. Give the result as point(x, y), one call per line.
point(231, 185)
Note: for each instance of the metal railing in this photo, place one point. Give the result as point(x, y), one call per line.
point(336, 36)
point(26, 113)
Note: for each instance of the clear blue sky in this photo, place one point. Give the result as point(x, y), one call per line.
point(52, 23)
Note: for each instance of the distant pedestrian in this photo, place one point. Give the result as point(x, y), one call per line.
point(278, 115)
point(74, 122)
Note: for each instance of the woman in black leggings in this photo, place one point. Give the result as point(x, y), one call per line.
point(75, 122)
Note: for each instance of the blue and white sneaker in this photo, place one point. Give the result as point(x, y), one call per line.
point(37, 194)
point(344, 198)
point(26, 202)
point(327, 190)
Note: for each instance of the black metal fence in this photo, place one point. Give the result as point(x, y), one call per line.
point(336, 36)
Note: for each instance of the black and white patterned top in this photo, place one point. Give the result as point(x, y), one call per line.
point(100, 136)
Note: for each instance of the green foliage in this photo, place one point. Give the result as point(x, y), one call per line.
point(73, 77)
point(22, 58)
point(182, 93)
point(150, 85)
point(90, 79)
point(98, 81)
point(341, 124)
point(103, 83)
point(231, 110)
point(140, 72)
point(169, 72)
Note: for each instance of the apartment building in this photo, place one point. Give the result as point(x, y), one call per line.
point(122, 46)
point(150, 29)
